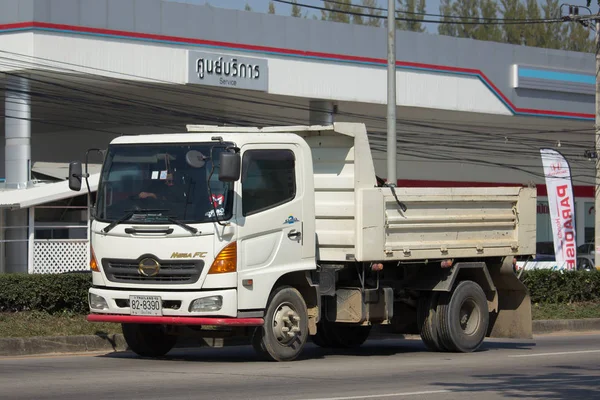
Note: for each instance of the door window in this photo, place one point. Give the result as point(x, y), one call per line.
point(268, 179)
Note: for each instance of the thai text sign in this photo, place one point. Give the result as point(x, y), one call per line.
point(214, 69)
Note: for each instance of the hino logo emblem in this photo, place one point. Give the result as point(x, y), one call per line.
point(148, 267)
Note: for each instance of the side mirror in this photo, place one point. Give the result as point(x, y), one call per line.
point(75, 176)
point(229, 170)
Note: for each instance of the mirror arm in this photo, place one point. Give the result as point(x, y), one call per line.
point(87, 175)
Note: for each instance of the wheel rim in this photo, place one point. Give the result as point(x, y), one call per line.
point(469, 315)
point(286, 324)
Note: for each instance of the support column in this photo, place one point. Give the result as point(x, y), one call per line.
point(580, 221)
point(30, 240)
point(321, 112)
point(17, 159)
point(2, 257)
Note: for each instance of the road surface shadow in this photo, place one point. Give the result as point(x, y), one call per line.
point(568, 382)
point(239, 354)
point(513, 345)
point(372, 348)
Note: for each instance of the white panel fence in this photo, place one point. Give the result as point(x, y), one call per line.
point(59, 256)
point(62, 246)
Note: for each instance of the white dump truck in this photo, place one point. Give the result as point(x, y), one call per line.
point(284, 233)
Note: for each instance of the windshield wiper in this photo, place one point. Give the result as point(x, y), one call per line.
point(128, 215)
point(183, 225)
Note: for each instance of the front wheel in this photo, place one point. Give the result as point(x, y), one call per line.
point(285, 331)
point(148, 340)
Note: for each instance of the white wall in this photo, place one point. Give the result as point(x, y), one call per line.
point(17, 49)
point(125, 59)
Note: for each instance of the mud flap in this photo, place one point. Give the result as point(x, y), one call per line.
point(511, 317)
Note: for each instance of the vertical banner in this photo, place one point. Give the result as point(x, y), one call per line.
point(562, 207)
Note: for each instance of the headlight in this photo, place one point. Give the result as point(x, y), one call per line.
point(212, 303)
point(97, 302)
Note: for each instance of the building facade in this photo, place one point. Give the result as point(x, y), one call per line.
point(77, 73)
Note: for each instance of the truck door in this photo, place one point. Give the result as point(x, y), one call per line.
point(270, 234)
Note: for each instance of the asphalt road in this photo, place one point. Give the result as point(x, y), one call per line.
point(548, 367)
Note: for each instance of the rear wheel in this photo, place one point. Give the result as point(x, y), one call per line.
point(285, 331)
point(428, 322)
point(148, 340)
point(463, 317)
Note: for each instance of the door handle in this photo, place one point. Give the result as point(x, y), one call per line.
point(294, 234)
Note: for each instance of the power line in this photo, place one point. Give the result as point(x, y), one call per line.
point(251, 99)
point(425, 14)
point(446, 142)
point(359, 14)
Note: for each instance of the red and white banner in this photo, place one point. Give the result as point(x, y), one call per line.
point(562, 207)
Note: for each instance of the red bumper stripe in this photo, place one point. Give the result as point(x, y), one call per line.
point(167, 320)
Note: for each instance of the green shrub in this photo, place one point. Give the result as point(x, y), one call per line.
point(55, 293)
point(547, 286)
point(49, 292)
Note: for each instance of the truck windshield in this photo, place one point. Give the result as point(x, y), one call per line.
point(163, 181)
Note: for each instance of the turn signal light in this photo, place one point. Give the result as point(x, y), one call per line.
point(93, 262)
point(226, 260)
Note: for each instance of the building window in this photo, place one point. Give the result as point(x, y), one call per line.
point(268, 179)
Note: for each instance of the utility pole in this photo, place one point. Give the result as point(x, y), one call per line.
point(391, 94)
point(587, 21)
point(597, 131)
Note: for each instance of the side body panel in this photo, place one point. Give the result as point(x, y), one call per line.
point(445, 223)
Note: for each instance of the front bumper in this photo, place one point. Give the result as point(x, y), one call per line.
point(135, 319)
point(175, 304)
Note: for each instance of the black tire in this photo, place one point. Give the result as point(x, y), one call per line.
point(428, 322)
point(347, 336)
point(269, 341)
point(463, 318)
point(441, 321)
point(148, 340)
point(321, 338)
point(340, 336)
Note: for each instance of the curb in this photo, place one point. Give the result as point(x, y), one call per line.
point(61, 344)
point(566, 325)
point(116, 343)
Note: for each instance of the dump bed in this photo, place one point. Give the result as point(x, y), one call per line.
point(356, 220)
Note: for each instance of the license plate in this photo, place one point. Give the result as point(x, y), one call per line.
point(145, 305)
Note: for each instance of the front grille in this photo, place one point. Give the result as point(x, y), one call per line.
point(171, 271)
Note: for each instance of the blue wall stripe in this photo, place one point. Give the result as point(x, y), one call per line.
point(557, 76)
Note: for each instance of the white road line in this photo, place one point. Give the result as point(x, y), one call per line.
point(556, 354)
point(377, 396)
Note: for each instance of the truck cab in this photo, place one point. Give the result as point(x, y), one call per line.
point(173, 241)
